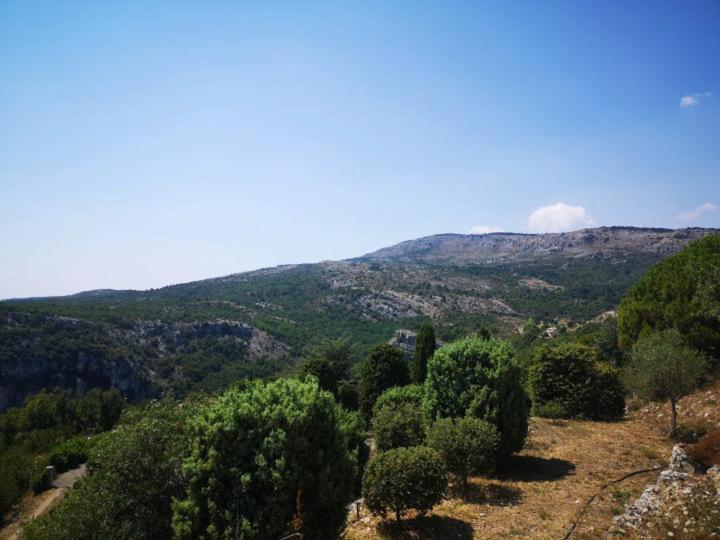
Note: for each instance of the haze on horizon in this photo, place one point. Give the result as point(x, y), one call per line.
point(150, 143)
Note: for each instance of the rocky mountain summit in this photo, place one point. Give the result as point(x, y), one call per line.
point(512, 247)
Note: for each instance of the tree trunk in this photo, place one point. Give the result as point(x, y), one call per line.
point(397, 518)
point(673, 421)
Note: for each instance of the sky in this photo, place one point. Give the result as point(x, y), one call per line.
point(148, 143)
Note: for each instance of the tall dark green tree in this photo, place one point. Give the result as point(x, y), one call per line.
point(384, 368)
point(424, 348)
point(330, 362)
point(682, 292)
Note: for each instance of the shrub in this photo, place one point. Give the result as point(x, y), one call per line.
point(569, 379)
point(398, 426)
point(70, 454)
point(706, 450)
point(468, 445)
point(412, 393)
point(353, 427)
point(680, 292)
point(551, 409)
point(404, 479)
point(266, 461)
point(384, 368)
point(690, 433)
point(479, 377)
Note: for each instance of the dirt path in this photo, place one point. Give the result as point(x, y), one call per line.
point(36, 506)
point(542, 490)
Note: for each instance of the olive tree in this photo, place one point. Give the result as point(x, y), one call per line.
point(662, 367)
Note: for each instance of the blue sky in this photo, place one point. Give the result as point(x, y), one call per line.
point(149, 143)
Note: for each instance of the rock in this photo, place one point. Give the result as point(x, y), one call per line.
point(680, 462)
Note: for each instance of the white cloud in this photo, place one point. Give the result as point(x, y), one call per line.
point(691, 100)
point(484, 229)
point(559, 217)
point(688, 101)
point(692, 215)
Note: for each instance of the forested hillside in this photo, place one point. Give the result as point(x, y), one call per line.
point(201, 335)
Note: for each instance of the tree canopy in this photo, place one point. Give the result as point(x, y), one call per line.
point(682, 292)
point(267, 460)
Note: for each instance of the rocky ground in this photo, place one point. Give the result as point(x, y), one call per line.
point(683, 503)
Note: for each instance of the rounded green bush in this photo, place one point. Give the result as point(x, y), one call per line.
point(478, 377)
point(412, 393)
point(468, 445)
point(267, 460)
point(567, 380)
point(404, 479)
point(398, 425)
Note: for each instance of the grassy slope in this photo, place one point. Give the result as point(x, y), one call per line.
point(563, 464)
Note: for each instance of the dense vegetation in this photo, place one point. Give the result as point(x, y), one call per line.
point(148, 333)
point(134, 475)
point(36, 435)
point(267, 458)
point(681, 292)
point(480, 378)
point(568, 380)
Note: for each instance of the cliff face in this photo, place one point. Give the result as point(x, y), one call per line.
point(141, 361)
point(29, 375)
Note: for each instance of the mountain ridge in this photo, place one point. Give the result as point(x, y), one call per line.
point(203, 334)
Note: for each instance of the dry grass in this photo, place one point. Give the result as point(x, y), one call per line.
point(540, 492)
point(702, 407)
